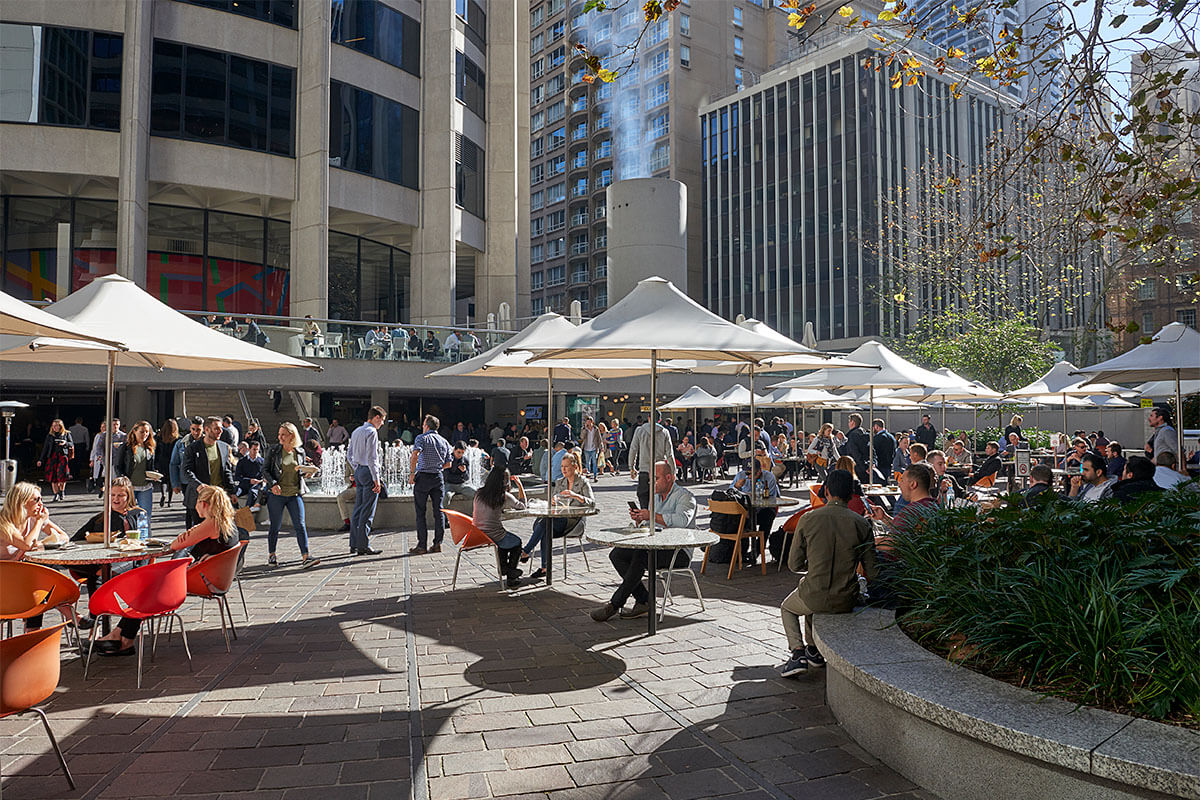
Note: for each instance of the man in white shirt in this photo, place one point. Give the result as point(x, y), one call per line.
point(1093, 483)
point(1165, 473)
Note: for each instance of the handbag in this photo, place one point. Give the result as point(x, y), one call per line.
point(244, 518)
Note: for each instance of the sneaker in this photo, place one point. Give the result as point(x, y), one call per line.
point(604, 612)
point(272, 561)
point(308, 562)
point(437, 548)
point(795, 665)
point(813, 656)
point(638, 610)
point(513, 582)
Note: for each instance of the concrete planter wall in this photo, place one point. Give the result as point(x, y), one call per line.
point(963, 735)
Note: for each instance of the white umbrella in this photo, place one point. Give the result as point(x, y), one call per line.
point(693, 398)
point(738, 396)
point(657, 321)
point(1173, 354)
point(1061, 381)
point(153, 333)
point(18, 318)
point(1166, 388)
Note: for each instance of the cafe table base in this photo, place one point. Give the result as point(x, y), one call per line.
point(539, 511)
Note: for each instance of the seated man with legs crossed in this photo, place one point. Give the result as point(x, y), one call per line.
point(674, 507)
point(831, 541)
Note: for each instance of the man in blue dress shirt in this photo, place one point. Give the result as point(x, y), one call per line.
point(430, 455)
point(363, 455)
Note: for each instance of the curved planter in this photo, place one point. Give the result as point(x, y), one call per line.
point(965, 736)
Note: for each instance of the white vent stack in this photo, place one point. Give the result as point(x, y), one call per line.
point(647, 233)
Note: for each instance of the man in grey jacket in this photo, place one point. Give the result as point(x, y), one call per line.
point(640, 462)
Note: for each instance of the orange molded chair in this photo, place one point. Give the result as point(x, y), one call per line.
point(985, 482)
point(212, 578)
point(146, 593)
point(27, 590)
point(29, 666)
point(815, 500)
point(467, 536)
point(789, 531)
point(731, 507)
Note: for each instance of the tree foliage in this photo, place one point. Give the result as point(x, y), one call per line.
point(1002, 353)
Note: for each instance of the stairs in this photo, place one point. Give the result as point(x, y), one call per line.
point(219, 402)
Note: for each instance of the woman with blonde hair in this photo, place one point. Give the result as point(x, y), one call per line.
point(823, 451)
point(25, 522)
point(216, 533)
point(285, 488)
point(134, 460)
point(57, 452)
point(572, 489)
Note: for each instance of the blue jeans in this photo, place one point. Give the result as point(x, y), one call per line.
point(539, 530)
point(590, 459)
point(363, 514)
point(145, 499)
point(276, 503)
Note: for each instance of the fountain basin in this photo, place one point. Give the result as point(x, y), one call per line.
point(392, 513)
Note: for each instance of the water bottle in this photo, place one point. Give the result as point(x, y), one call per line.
point(142, 531)
point(950, 496)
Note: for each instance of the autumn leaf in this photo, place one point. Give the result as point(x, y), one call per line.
point(607, 75)
point(652, 10)
point(886, 16)
point(796, 20)
point(846, 11)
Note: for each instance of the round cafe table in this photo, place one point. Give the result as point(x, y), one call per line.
point(640, 538)
point(538, 509)
point(775, 502)
point(84, 554)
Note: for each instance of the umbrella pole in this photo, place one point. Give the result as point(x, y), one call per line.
point(651, 555)
point(871, 439)
point(944, 417)
point(974, 425)
point(1064, 401)
point(1180, 463)
point(108, 445)
point(550, 435)
point(753, 460)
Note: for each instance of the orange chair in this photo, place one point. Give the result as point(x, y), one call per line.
point(29, 668)
point(467, 536)
point(986, 481)
point(27, 590)
point(731, 507)
point(814, 499)
point(789, 532)
point(146, 593)
point(212, 578)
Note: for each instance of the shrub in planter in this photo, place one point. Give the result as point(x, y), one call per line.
point(1098, 603)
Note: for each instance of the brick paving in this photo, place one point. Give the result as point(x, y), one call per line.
point(367, 677)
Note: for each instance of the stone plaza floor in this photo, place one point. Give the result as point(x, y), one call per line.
point(368, 677)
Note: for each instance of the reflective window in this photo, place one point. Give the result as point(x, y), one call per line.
point(378, 30)
point(60, 76)
point(372, 135)
point(469, 168)
point(472, 13)
point(209, 96)
point(367, 280)
point(278, 12)
point(469, 84)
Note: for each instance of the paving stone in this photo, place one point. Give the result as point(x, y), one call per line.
point(538, 779)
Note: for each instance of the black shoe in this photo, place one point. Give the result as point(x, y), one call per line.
point(813, 656)
point(367, 551)
point(512, 582)
point(437, 548)
point(117, 651)
point(538, 574)
point(795, 665)
point(415, 551)
point(86, 623)
point(103, 646)
point(604, 612)
point(638, 610)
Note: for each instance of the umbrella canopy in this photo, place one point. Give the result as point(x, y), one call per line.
point(658, 318)
point(1062, 379)
point(510, 359)
point(811, 359)
point(862, 397)
point(1166, 388)
point(153, 333)
point(18, 318)
point(885, 370)
point(1173, 354)
point(694, 397)
point(737, 396)
point(800, 397)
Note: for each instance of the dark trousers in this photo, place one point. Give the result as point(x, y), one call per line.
point(365, 500)
point(643, 490)
point(631, 565)
point(427, 488)
point(190, 517)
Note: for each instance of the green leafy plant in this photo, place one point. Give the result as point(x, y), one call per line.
point(1098, 603)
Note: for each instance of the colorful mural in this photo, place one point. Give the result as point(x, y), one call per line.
point(31, 274)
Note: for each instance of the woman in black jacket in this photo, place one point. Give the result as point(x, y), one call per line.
point(57, 452)
point(168, 434)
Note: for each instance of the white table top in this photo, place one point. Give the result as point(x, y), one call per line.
point(663, 539)
point(540, 510)
point(774, 502)
point(81, 554)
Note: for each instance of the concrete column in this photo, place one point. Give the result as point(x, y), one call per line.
point(137, 404)
point(132, 191)
point(310, 209)
point(507, 156)
point(62, 271)
point(379, 397)
point(434, 243)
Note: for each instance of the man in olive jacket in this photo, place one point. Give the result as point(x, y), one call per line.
point(832, 541)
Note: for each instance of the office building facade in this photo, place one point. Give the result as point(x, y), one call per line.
point(349, 159)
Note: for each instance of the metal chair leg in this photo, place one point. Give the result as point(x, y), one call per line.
point(140, 642)
point(245, 611)
point(91, 643)
point(458, 558)
point(183, 633)
point(696, 584)
point(223, 602)
point(224, 632)
point(499, 566)
point(54, 744)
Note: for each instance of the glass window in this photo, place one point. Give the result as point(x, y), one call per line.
point(685, 56)
point(537, 174)
point(557, 56)
point(378, 294)
point(556, 221)
point(60, 76)
point(209, 96)
point(738, 46)
point(94, 241)
point(737, 16)
point(537, 226)
point(234, 264)
point(558, 137)
point(536, 147)
point(278, 12)
point(277, 295)
point(476, 20)
point(738, 76)
point(1187, 316)
point(536, 43)
point(536, 200)
point(373, 135)
point(556, 111)
point(556, 166)
point(685, 24)
point(536, 16)
point(31, 257)
point(469, 167)
point(537, 253)
point(537, 68)
point(1148, 322)
point(379, 31)
point(175, 256)
point(556, 193)
point(469, 84)
point(1147, 289)
point(343, 276)
point(536, 280)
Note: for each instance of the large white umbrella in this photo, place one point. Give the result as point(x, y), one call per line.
point(1061, 382)
point(18, 318)
point(738, 396)
point(1173, 354)
point(1166, 388)
point(657, 321)
point(693, 398)
point(153, 334)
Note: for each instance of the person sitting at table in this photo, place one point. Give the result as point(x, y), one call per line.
point(25, 523)
point(1093, 483)
point(903, 456)
point(431, 348)
point(490, 501)
point(945, 487)
point(830, 545)
point(685, 454)
point(1137, 479)
point(1116, 458)
point(1009, 445)
point(706, 459)
point(1166, 473)
point(918, 504)
point(1075, 457)
point(991, 464)
point(216, 533)
point(572, 489)
point(1041, 485)
point(249, 475)
point(959, 455)
point(312, 332)
point(674, 507)
point(760, 481)
point(779, 452)
point(124, 513)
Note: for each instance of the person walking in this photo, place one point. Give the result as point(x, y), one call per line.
point(430, 455)
point(175, 468)
point(591, 440)
point(363, 456)
point(640, 463)
point(80, 437)
point(164, 449)
point(206, 461)
point(57, 452)
point(285, 489)
point(338, 435)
